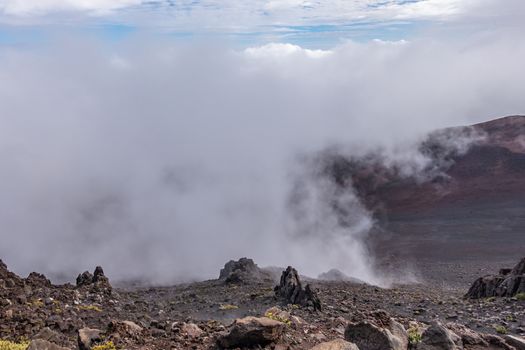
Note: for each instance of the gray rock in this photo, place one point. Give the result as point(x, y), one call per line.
point(243, 271)
point(507, 284)
point(97, 282)
point(251, 332)
point(485, 287)
point(84, 279)
point(511, 286)
point(437, 337)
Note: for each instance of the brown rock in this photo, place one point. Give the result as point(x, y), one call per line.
point(250, 332)
point(50, 335)
point(87, 337)
point(127, 329)
point(338, 344)
point(192, 330)
point(515, 341)
point(369, 336)
point(41, 344)
point(468, 336)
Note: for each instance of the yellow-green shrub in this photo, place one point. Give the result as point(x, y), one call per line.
point(9, 345)
point(106, 346)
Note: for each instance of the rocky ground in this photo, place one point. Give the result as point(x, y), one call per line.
point(212, 314)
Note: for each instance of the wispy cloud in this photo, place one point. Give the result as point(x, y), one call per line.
point(235, 17)
point(29, 8)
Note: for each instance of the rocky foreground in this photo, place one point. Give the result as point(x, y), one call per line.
point(248, 308)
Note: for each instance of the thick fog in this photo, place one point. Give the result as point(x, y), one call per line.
point(162, 161)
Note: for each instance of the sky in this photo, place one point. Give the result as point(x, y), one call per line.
point(162, 139)
point(312, 24)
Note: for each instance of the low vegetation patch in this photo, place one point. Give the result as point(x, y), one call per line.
point(228, 307)
point(501, 329)
point(9, 345)
point(90, 308)
point(276, 317)
point(520, 296)
point(106, 346)
point(414, 335)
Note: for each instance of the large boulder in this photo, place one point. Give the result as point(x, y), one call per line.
point(88, 337)
point(251, 332)
point(468, 336)
point(41, 344)
point(515, 341)
point(484, 287)
point(511, 286)
point(192, 330)
point(373, 335)
point(507, 283)
point(243, 270)
point(438, 337)
point(52, 336)
point(124, 329)
point(290, 290)
point(338, 344)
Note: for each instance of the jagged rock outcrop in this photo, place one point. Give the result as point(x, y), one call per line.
point(96, 281)
point(7, 278)
point(84, 279)
point(290, 289)
point(38, 279)
point(243, 271)
point(507, 283)
point(251, 332)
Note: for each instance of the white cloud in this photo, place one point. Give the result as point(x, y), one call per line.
point(132, 157)
point(245, 16)
point(42, 7)
point(279, 50)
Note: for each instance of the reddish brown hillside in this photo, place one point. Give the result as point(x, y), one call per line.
point(493, 169)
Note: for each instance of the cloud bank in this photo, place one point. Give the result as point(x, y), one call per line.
point(164, 161)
